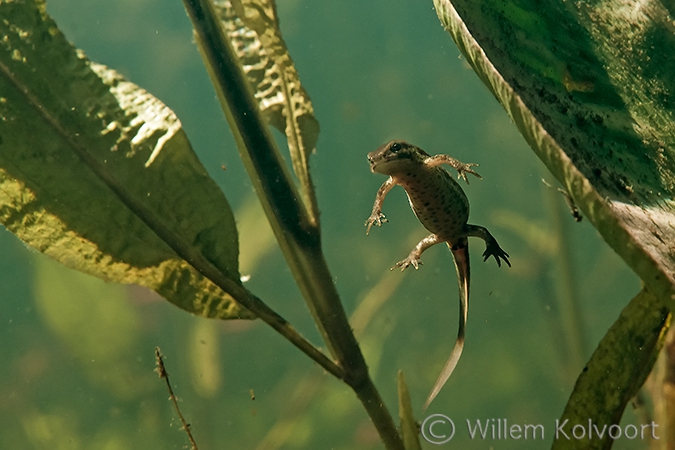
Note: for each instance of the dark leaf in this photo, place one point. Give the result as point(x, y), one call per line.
point(99, 174)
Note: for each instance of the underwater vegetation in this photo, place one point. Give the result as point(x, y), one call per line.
point(103, 177)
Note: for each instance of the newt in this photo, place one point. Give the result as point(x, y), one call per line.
point(442, 207)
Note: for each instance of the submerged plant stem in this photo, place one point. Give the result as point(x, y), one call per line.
point(297, 234)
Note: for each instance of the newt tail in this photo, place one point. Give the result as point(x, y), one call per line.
point(460, 253)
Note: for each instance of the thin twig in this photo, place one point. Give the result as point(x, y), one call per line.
point(161, 371)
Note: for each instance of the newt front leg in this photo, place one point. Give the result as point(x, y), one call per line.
point(376, 217)
point(461, 168)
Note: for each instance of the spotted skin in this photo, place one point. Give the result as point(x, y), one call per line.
point(441, 206)
point(444, 212)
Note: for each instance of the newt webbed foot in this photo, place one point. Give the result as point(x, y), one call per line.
point(375, 219)
point(463, 169)
point(492, 248)
point(411, 260)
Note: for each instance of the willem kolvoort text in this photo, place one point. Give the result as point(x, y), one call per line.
point(501, 429)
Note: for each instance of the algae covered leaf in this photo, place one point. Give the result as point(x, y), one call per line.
point(590, 86)
point(252, 27)
point(99, 174)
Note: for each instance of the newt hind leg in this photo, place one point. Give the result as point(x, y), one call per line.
point(492, 248)
point(413, 258)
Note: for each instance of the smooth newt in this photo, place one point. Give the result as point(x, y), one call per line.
point(441, 206)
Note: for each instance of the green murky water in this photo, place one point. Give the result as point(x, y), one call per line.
point(77, 353)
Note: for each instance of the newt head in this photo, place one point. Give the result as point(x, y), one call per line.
point(396, 156)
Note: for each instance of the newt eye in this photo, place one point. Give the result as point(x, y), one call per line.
point(395, 147)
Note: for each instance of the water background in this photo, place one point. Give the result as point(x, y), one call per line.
point(77, 353)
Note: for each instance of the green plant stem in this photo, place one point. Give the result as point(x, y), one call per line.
point(289, 220)
point(298, 237)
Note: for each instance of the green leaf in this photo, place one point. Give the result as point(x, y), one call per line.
point(99, 174)
point(590, 86)
point(615, 372)
point(409, 428)
point(252, 26)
